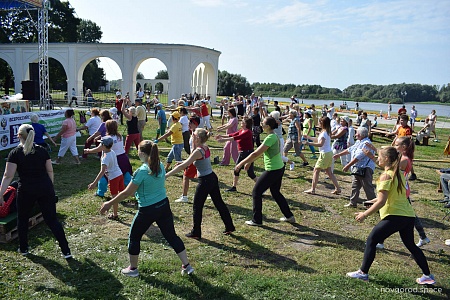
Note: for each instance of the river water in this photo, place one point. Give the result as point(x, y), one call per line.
point(422, 109)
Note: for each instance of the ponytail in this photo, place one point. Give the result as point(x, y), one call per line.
point(26, 132)
point(394, 158)
point(153, 160)
point(151, 150)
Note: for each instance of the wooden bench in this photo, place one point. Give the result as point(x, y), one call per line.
point(8, 226)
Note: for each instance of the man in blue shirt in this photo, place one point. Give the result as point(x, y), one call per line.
point(359, 159)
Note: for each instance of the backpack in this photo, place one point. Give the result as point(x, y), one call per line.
point(9, 198)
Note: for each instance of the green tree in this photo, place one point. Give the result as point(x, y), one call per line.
point(89, 32)
point(162, 74)
point(20, 27)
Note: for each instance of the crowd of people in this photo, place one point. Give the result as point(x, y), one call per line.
point(189, 127)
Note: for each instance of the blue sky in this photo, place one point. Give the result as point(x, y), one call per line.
point(331, 43)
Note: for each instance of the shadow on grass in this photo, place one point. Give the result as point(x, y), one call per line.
point(320, 236)
point(85, 278)
point(259, 252)
point(203, 290)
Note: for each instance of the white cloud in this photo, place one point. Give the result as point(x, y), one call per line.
point(217, 3)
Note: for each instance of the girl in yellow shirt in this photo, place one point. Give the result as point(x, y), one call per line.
point(397, 215)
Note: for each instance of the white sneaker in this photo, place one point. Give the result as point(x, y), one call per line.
point(129, 272)
point(291, 166)
point(289, 220)
point(447, 242)
point(182, 199)
point(380, 246)
point(188, 270)
point(423, 242)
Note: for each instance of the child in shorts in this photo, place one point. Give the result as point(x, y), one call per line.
point(176, 138)
point(110, 168)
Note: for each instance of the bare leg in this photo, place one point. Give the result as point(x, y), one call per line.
point(185, 185)
point(334, 180)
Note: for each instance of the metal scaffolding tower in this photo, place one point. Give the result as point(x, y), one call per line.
point(42, 28)
point(44, 83)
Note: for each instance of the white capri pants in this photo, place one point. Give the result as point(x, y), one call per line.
point(206, 122)
point(68, 143)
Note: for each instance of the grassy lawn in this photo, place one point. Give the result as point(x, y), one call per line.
point(307, 260)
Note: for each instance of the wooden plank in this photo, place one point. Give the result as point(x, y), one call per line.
point(12, 234)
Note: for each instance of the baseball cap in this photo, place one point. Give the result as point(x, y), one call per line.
point(176, 115)
point(107, 141)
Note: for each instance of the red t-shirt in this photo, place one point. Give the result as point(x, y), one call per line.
point(205, 111)
point(244, 139)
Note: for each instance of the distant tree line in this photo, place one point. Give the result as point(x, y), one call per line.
point(396, 93)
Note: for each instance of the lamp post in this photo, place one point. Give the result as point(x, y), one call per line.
point(404, 93)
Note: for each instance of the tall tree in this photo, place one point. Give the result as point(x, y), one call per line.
point(20, 27)
point(89, 32)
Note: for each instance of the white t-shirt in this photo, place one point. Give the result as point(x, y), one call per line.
point(184, 121)
point(330, 113)
point(327, 145)
point(112, 166)
point(118, 145)
point(351, 136)
point(93, 123)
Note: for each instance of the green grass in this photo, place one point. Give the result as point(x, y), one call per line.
point(307, 260)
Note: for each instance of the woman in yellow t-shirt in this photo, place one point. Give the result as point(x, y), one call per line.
point(397, 215)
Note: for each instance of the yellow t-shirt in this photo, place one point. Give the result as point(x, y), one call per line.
point(396, 204)
point(140, 113)
point(177, 135)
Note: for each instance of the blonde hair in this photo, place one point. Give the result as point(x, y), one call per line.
point(26, 133)
point(202, 134)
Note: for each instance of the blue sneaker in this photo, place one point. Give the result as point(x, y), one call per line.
point(358, 275)
point(426, 279)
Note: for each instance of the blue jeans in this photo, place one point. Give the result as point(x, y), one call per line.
point(313, 150)
point(175, 152)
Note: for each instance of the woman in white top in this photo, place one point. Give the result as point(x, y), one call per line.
point(325, 158)
point(432, 118)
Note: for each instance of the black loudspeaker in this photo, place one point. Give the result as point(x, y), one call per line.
point(30, 90)
point(34, 71)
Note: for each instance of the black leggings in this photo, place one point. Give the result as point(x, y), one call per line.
point(242, 156)
point(161, 214)
point(186, 137)
point(44, 194)
point(269, 180)
point(387, 227)
point(209, 185)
